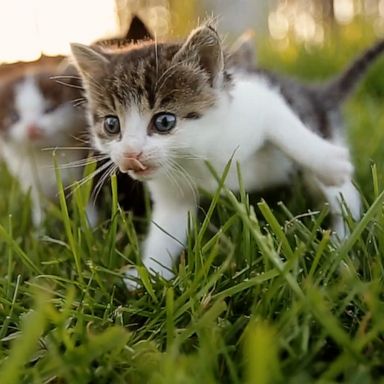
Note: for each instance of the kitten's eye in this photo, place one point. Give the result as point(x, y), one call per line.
point(164, 122)
point(112, 125)
point(50, 109)
point(13, 118)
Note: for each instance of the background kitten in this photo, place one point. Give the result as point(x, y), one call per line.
point(37, 112)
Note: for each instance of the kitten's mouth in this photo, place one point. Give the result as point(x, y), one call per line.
point(131, 164)
point(135, 167)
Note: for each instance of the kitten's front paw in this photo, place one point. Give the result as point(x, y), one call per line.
point(334, 167)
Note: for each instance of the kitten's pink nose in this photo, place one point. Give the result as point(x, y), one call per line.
point(131, 162)
point(34, 131)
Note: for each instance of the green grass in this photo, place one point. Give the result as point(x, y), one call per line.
point(262, 294)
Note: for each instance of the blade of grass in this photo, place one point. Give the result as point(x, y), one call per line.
point(66, 219)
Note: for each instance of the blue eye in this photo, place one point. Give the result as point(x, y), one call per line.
point(112, 125)
point(163, 122)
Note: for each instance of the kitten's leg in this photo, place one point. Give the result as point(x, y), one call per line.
point(348, 195)
point(167, 234)
point(339, 198)
point(328, 161)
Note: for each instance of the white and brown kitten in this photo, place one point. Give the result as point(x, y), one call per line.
point(37, 113)
point(161, 110)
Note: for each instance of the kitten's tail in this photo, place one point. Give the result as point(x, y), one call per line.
point(337, 91)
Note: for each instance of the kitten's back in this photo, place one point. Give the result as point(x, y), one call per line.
point(318, 106)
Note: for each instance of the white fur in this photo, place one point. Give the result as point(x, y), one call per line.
point(341, 198)
point(253, 124)
point(27, 160)
point(346, 196)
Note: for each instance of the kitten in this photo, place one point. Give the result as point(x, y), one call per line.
point(36, 113)
point(160, 110)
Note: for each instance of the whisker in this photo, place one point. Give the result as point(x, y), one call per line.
point(65, 148)
point(77, 184)
point(182, 172)
point(170, 176)
point(188, 157)
point(58, 77)
point(81, 162)
point(68, 84)
point(101, 182)
point(81, 140)
point(78, 101)
point(156, 56)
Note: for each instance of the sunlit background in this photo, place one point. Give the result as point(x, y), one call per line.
point(307, 20)
point(29, 28)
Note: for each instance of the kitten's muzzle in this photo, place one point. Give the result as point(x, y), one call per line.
point(34, 132)
point(131, 163)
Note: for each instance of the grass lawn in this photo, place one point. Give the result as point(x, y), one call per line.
point(262, 294)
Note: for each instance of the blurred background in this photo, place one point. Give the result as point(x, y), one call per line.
point(29, 28)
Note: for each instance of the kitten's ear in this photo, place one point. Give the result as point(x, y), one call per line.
point(88, 61)
point(204, 45)
point(242, 53)
point(138, 31)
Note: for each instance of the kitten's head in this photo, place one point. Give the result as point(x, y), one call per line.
point(36, 111)
point(147, 101)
